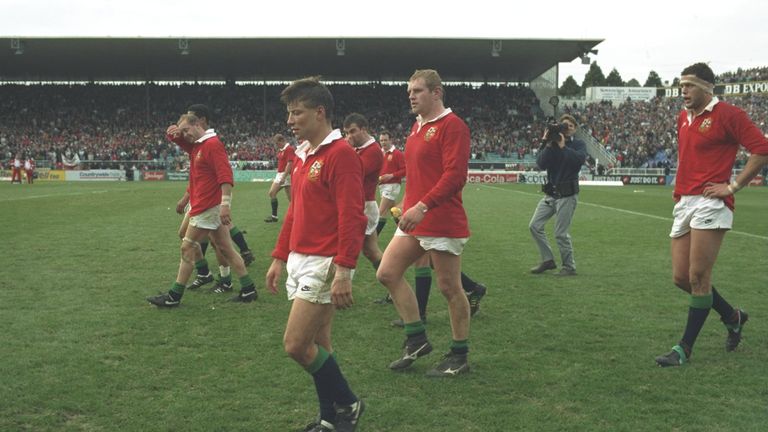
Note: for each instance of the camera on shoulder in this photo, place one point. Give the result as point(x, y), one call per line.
point(554, 130)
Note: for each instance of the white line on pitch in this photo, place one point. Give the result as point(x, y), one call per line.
point(634, 213)
point(52, 195)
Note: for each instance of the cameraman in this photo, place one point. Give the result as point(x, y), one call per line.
point(562, 156)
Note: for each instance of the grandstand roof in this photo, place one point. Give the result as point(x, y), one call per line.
point(257, 59)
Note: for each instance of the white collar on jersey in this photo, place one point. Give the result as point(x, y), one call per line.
point(301, 151)
point(210, 133)
point(710, 106)
point(421, 121)
point(367, 143)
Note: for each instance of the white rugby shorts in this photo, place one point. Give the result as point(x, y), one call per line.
point(282, 179)
point(310, 277)
point(453, 246)
point(209, 219)
point(372, 213)
point(390, 191)
point(700, 212)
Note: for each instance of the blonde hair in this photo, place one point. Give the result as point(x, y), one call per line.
point(431, 79)
point(188, 118)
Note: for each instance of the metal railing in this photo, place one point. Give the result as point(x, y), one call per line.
point(596, 149)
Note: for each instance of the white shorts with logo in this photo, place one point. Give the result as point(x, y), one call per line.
point(390, 191)
point(372, 213)
point(453, 246)
point(209, 219)
point(310, 277)
point(700, 212)
point(282, 179)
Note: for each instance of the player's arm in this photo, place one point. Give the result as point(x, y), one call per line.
point(223, 170)
point(183, 202)
point(226, 203)
point(280, 252)
point(347, 193)
point(752, 138)
point(755, 164)
point(455, 149)
point(400, 159)
point(273, 274)
point(173, 134)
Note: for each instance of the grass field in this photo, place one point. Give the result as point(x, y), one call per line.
point(80, 349)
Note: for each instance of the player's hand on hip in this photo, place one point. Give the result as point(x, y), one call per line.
point(716, 190)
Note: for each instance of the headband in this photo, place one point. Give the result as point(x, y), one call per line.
point(698, 82)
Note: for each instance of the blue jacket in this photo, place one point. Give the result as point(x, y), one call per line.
point(564, 164)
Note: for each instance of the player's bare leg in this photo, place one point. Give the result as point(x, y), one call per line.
point(224, 245)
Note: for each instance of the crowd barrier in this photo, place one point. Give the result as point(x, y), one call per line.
point(240, 176)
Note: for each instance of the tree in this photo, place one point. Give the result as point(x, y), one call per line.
point(676, 82)
point(633, 83)
point(570, 87)
point(614, 79)
point(654, 80)
point(594, 77)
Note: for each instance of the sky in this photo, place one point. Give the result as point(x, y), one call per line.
point(640, 36)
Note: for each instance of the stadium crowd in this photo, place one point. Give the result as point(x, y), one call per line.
point(106, 125)
point(643, 134)
point(113, 123)
point(742, 75)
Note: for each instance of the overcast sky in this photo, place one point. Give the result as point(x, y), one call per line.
point(664, 36)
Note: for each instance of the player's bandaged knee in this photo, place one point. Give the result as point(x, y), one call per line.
point(194, 244)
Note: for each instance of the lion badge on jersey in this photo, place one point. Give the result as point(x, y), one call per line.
point(705, 125)
point(430, 133)
point(314, 170)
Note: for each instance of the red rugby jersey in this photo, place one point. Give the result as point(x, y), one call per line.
point(708, 144)
point(394, 163)
point(325, 216)
point(437, 160)
point(372, 158)
point(285, 155)
point(208, 169)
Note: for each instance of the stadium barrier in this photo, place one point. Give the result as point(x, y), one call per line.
point(95, 175)
point(137, 175)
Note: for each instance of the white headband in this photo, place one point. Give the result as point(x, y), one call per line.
point(698, 82)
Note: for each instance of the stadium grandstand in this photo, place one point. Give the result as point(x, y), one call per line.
point(109, 108)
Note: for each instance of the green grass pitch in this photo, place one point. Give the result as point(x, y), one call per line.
point(80, 349)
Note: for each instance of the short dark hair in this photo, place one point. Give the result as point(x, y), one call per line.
point(201, 111)
point(385, 132)
point(356, 118)
point(311, 92)
point(701, 70)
